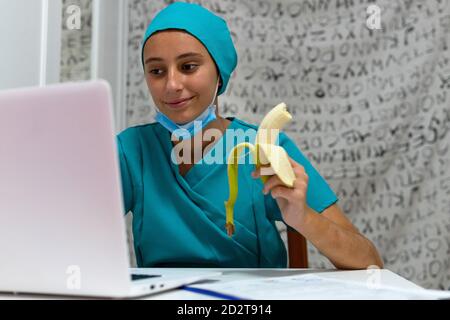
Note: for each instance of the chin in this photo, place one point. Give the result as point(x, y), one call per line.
point(182, 119)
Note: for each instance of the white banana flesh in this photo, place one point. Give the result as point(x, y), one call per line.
point(269, 157)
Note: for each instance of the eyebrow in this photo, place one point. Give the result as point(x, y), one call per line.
point(181, 56)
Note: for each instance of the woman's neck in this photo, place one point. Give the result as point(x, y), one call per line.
point(192, 145)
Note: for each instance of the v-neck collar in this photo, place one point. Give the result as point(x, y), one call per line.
point(200, 169)
point(197, 170)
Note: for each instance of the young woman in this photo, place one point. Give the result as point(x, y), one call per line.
point(178, 206)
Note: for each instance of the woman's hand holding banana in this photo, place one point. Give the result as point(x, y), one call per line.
point(291, 200)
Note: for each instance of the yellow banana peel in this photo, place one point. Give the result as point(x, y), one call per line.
point(269, 157)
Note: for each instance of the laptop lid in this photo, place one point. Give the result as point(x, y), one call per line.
point(61, 215)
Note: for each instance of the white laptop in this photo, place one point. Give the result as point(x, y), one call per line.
point(62, 228)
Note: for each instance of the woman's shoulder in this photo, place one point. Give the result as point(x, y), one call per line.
point(136, 130)
point(239, 123)
point(136, 139)
point(283, 137)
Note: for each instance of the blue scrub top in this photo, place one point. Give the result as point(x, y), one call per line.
point(179, 221)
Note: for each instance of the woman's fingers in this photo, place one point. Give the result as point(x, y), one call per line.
point(300, 183)
point(272, 182)
point(299, 171)
point(282, 192)
point(293, 162)
point(257, 172)
point(298, 168)
point(291, 195)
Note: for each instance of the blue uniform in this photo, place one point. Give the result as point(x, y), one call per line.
point(179, 221)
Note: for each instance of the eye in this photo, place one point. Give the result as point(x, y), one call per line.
point(155, 71)
point(189, 67)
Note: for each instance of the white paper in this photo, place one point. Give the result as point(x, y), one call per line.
point(314, 287)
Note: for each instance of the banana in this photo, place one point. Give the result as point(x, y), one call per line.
point(270, 158)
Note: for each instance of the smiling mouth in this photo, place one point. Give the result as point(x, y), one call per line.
point(179, 103)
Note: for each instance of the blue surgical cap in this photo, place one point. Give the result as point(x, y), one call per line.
point(210, 29)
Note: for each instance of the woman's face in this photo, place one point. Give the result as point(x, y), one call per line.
point(181, 75)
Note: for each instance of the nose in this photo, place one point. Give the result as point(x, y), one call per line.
point(174, 80)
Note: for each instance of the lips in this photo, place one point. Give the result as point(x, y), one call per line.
point(178, 103)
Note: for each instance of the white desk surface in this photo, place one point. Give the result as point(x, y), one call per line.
point(386, 278)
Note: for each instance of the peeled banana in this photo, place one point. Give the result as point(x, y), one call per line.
point(269, 157)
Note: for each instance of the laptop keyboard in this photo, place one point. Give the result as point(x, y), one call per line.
point(135, 277)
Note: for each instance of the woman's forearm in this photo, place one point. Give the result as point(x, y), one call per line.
point(346, 249)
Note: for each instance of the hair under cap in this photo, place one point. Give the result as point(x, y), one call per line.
point(210, 29)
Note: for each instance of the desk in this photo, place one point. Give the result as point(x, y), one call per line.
point(386, 277)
